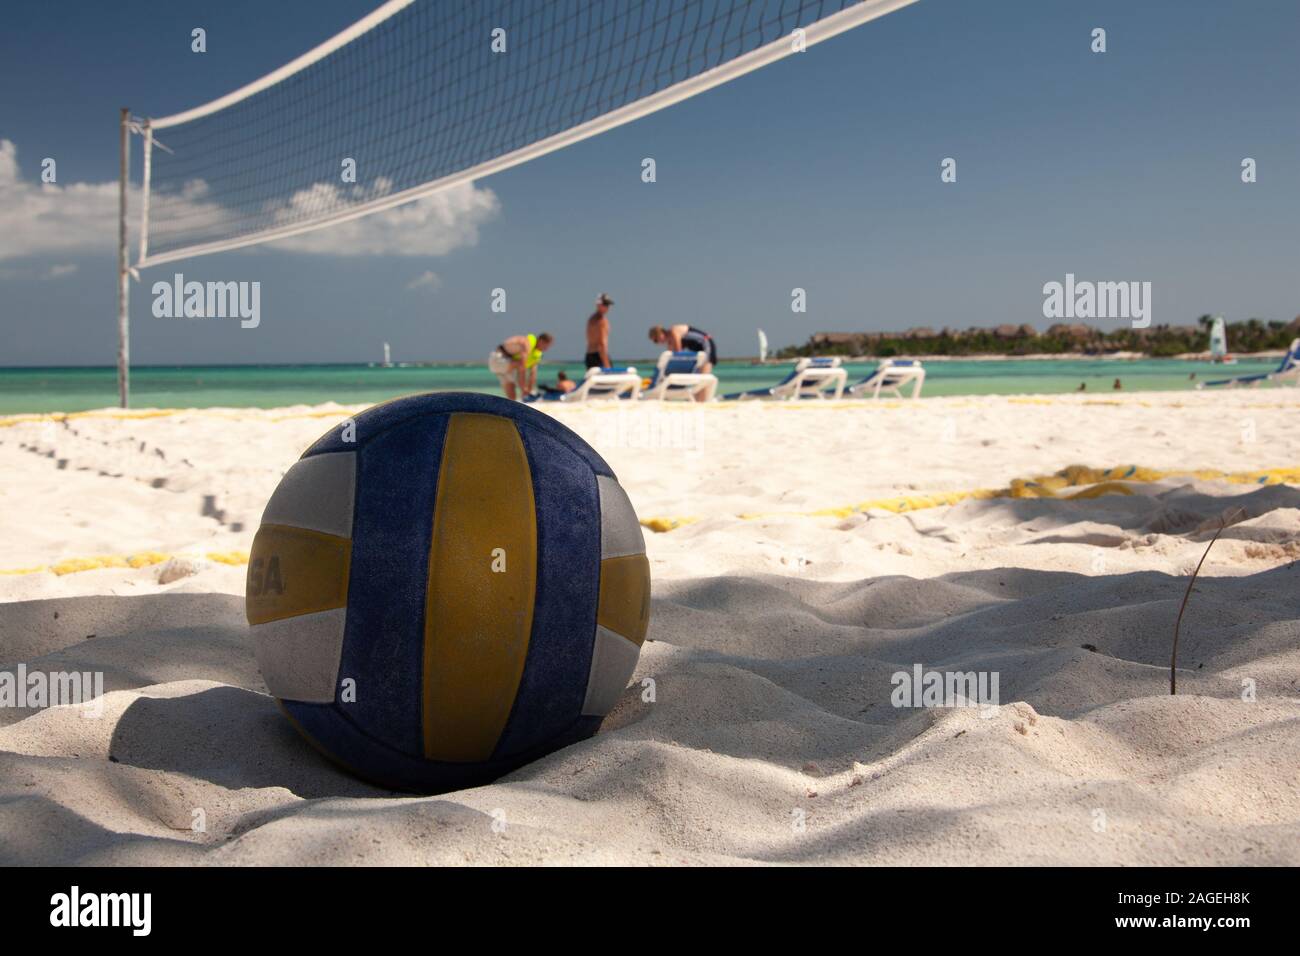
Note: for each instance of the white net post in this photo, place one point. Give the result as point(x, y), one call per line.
point(123, 268)
point(146, 177)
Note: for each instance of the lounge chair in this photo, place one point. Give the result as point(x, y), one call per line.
point(678, 377)
point(810, 378)
point(889, 377)
point(599, 383)
point(1288, 371)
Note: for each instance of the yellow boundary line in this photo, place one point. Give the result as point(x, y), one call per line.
point(242, 414)
point(139, 559)
point(231, 415)
point(1092, 482)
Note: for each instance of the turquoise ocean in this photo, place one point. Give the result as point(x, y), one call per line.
point(270, 386)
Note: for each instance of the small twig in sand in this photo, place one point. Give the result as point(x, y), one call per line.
point(1173, 657)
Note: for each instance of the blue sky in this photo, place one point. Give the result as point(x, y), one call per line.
point(819, 172)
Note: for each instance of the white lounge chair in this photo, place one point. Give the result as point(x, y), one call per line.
point(597, 384)
point(810, 378)
point(678, 377)
point(1288, 371)
point(889, 377)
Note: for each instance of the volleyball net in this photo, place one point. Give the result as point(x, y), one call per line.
point(422, 95)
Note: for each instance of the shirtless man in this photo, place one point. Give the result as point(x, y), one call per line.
point(515, 361)
point(598, 334)
point(686, 338)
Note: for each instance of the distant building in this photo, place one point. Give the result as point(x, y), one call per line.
point(1075, 331)
point(835, 338)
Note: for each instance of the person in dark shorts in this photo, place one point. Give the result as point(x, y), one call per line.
point(598, 334)
point(686, 338)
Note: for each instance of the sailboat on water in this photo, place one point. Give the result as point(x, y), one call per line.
point(1219, 343)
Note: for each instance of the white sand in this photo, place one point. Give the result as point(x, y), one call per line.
point(771, 737)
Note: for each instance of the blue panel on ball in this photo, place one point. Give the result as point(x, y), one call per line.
point(554, 681)
point(329, 729)
point(375, 421)
point(392, 524)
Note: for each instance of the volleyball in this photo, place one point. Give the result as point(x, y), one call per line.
point(445, 588)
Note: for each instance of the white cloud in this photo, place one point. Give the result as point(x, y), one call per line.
point(40, 219)
point(46, 219)
point(425, 280)
point(25, 272)
point(432, 226)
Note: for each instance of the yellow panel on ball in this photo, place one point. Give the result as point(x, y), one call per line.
point(482, 577)
point(624, 605)
point(294, 571)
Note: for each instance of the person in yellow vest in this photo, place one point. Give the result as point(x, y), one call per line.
point(514, 362)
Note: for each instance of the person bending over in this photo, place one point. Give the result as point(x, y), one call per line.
point(687, 338)
point(514, 363)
